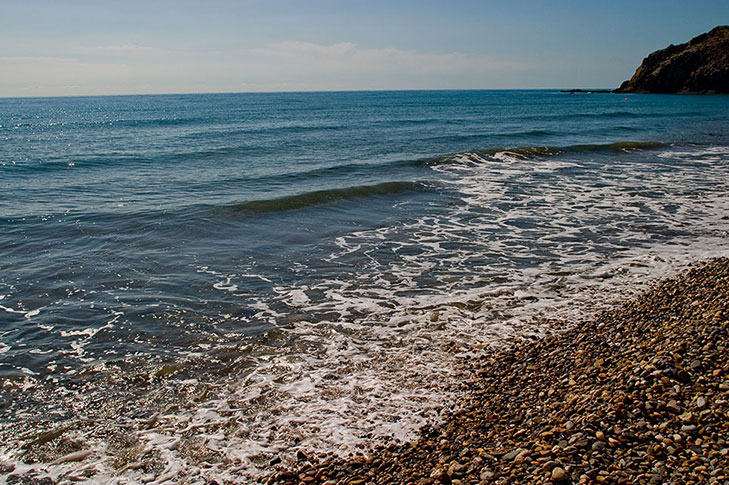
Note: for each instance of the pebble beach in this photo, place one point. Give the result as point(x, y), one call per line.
point(637, 395)
point(391, 287)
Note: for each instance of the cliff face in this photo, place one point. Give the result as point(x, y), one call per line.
point(700, 66)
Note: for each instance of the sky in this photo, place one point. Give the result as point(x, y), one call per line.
point(96, 47)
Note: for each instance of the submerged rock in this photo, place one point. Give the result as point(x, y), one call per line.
point(700, 66)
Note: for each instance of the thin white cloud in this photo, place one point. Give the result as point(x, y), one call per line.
point(36, 60)
point(347, 56)
point(287, 66)
point(30, 76)
point(310, 49)
point(124, 50)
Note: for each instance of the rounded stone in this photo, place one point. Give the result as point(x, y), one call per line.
point(559, 475)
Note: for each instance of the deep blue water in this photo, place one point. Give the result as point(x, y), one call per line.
point(139, 230)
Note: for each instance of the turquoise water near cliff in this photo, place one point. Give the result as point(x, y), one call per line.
point(319, 257)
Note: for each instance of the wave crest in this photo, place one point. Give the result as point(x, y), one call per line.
point(320, 197)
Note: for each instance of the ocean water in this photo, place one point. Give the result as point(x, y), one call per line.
point(201, 284)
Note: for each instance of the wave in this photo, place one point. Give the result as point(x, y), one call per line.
point(616, 114)
point(319, 197)
point(127, 160)
point(286, 128)
point(225, 152)
point(533, 133)
point(126, 219)
point(486, 135)
point(611, 115)
point(104, 123)
point(546, 151)
point(151, 122)
point(621, 146)
point(214, 133)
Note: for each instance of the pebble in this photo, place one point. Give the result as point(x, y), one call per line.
point(71, 457)
point(673, 406)
point(559, 474)
point(511, 455)
point(486, 475)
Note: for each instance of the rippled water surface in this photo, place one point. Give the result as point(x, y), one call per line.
point(216, 280)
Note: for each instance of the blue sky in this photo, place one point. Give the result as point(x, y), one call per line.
point(80, 47)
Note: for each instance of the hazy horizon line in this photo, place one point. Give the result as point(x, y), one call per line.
point(307, 91)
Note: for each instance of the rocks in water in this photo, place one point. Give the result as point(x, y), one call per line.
point(700, 66)
point(586, 91)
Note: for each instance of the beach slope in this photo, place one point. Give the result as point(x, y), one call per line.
point(638, 395)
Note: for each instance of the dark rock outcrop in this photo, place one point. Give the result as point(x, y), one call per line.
point(700, 66)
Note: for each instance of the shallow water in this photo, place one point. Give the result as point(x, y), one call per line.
point(261, 273)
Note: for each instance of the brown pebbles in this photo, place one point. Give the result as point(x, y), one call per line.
point(638, 395)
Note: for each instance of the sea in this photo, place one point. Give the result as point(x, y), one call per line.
point(197, 287)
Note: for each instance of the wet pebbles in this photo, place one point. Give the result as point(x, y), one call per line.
point(638, 395)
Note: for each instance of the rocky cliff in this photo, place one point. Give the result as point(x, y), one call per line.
point(699, 66)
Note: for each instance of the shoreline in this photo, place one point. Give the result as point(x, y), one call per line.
point(521, 411)
point(638, 394)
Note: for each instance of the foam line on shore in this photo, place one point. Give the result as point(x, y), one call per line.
point(638, 394)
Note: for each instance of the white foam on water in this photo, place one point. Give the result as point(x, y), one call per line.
point(378, 350)
point(225, 282)
point(89, 332)
point(32, 313)
point(297, 297)
point(255, 276)
point(11, 310)
point(226, 285)
point(697, 153)
point(40, 352)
